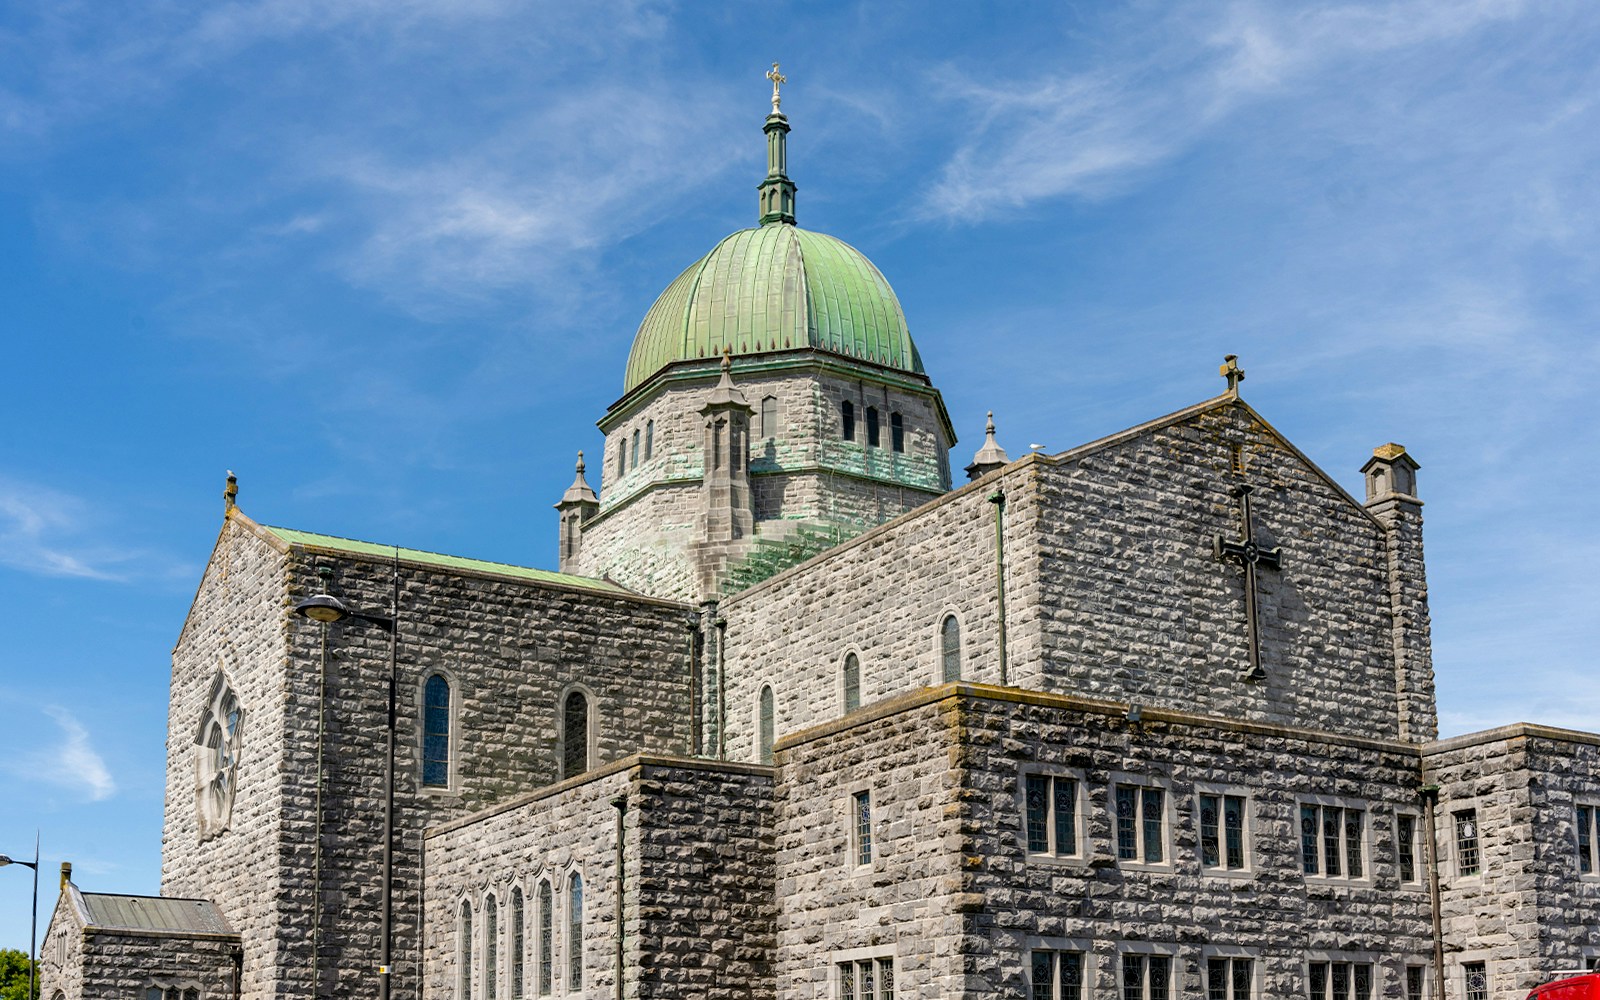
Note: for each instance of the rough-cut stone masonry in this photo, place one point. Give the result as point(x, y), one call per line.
point(1529, 912)
point(1136, 605)
point(883, 597)
point(697, 902)
point(953, 894)
point(1112, 590)
point(512, 649)
point(82, 962)
point(800, 470)
point(237, 625)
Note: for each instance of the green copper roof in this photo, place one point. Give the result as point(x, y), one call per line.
point(774, 288)
point(336, 543)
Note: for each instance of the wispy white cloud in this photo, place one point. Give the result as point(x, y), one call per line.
point(1090, 132)
point(70, 763)
point(37, 526)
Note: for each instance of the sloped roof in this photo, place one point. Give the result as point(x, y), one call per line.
point(293, 536)
point(110, 911)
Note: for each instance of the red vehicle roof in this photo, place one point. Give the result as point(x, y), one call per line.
point(1576, 988)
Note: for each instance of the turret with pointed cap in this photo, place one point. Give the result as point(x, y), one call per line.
point(577, 505)
point(990, 457)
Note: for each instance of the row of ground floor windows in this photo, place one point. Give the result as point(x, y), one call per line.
point(1069, 974)
point(495, 952)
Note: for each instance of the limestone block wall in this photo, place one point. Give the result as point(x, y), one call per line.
point(124, 963)
point(696, 883)
point(1269, 911)
point(1136, 606)
point(1528, 912)
point(883, 597)
point(512, 651)
point(61, 950)
point(908, 904)
point(801, 469)
point(238, 626)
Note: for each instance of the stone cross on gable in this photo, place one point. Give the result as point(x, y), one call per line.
point(1249, 555)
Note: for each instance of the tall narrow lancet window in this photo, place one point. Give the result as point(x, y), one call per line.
point(649, 439)
point(436, 732)
point(464, 954)
point(575, 934)
point(847, 417)
point(950, 650)
point(574, 735)
point(622, 457)
point(897, 432)
point(769, 417)
point(872, 426)
point(491, 949)
point(764, 726)
point(519, 943)
point(852, 682)
point(547, 945)
point(634, 461)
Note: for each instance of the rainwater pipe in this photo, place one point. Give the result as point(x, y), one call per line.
point(998, 498)
point(1430, 801)
point(620, 803)
point(722, 688)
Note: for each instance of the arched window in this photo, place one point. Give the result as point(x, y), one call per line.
point(436, 732)
point(872, 426)
point(764, 726)
point(847, 415)
point(575, 934)
point(491, 949)
point(852, 683)
point(519, 943)
point(464, 954)
point(574, 735)
point(546, 945)
point(897, 432)
point(634, 462)
point(622, 457)
point(649, 439)
point(950, 649)
point(769, 416)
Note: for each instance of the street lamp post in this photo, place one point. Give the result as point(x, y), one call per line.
point(33, 917)
point(327, 609)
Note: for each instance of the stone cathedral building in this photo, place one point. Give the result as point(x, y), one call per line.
point(796, 719)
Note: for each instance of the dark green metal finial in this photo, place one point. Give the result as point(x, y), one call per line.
point(776, 193)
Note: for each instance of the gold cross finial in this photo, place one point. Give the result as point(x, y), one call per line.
point(776, 78)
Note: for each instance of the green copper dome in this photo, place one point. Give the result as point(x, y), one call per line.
point(774, 288)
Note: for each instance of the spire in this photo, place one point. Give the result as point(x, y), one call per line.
point(579, 491)
point(776, 198)
point(990, 457)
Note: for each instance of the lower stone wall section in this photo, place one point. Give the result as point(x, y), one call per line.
point(953, 898)
point(1513, 893)
point(696, 885)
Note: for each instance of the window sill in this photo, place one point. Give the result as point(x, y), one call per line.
point(1229, 874)
point(1058, 860)
point(1153, 867)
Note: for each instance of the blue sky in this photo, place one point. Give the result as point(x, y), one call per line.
point(385, 259)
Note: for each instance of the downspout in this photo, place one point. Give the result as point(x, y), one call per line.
point(691, 629)
point(998, 498)
point(316, 845)
point(237, 954)
point(1430, 800)
point(620, 803)
point(722, 689)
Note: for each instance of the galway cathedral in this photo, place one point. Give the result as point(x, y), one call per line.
point(799, 718)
